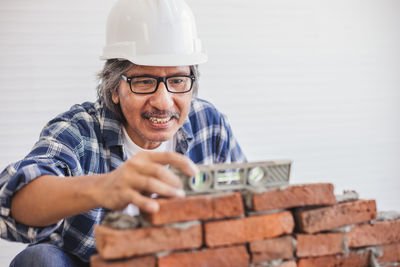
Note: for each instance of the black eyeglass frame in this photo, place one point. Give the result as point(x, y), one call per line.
point(159, 79)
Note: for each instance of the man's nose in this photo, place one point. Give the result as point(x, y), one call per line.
point(161, 98)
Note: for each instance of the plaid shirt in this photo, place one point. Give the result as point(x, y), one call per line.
point(88, 140)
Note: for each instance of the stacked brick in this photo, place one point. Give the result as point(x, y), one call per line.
point(301, 225)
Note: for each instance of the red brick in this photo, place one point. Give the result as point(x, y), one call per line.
point(288, 264)
point(295, 196)
point(221, 257)
point(319, 244)
point(284, 264)
point(147, 261)
point(229, 205)
point(374, 234)
point(271, 249)
point(248, 229)
point(115, 244)
point(320, 219)
point(354, 259)
point(197, 208)
point(390, 253)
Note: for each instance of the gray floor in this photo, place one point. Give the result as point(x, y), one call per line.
point(8, 250)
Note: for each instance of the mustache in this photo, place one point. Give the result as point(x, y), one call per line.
point(160, 113)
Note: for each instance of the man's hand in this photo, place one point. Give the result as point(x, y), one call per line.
point(144, 172)
point(48, 199)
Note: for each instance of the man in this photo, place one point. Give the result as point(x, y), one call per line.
point(115, 152)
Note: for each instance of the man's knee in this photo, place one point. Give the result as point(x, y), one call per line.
point(42, 255)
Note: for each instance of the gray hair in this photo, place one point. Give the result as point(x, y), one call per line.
point(110, 77)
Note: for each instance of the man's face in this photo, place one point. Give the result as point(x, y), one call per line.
point(153, 118)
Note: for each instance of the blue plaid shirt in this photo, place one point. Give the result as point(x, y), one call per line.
point(88, 140)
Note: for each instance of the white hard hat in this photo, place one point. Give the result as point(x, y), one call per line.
point(153, 33)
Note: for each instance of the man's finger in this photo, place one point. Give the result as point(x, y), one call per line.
point(161, 173)
point(144, 203)
point(153, 185)
point(177, 160)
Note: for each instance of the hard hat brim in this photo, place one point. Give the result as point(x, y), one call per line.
point(163, 60)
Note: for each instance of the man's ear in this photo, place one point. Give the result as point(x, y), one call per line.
point(114, 95)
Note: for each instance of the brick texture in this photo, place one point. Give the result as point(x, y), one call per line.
point(288, 264)
point(197, 208)
point(295, 196)
point(236, 256)
point(218, 230)
point(374, 234)
point(225, 206)
point(320, 219)
point(284, 264)
point(352, 260)
point(390, 253)
point(271, 249)
point(319, 244)
point(147, 261)
point(115, 244)
point(228, 232)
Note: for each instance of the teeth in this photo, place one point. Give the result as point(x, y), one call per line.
point(159, 120)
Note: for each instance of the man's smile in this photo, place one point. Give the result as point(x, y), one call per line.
point(160, 117)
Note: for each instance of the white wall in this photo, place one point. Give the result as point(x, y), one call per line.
point(313, 81)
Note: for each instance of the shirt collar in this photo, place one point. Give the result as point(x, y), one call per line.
point(184, 137)
point(110, 127)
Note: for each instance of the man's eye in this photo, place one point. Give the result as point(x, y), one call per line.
point(147, 81)
point(176, 80)
point(143, 82)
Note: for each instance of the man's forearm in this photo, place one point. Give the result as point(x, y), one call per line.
point(48, 199)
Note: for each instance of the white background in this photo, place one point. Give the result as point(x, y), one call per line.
point(317, 82)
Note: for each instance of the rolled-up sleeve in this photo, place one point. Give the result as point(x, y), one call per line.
point(54, 154)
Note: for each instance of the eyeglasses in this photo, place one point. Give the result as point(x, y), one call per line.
point(148, 84)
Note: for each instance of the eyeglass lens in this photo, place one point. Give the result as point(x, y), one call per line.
point(177, 84)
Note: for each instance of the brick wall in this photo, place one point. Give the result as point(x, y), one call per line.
point(301, 225)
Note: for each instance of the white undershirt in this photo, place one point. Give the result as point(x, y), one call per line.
point(131, 149)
